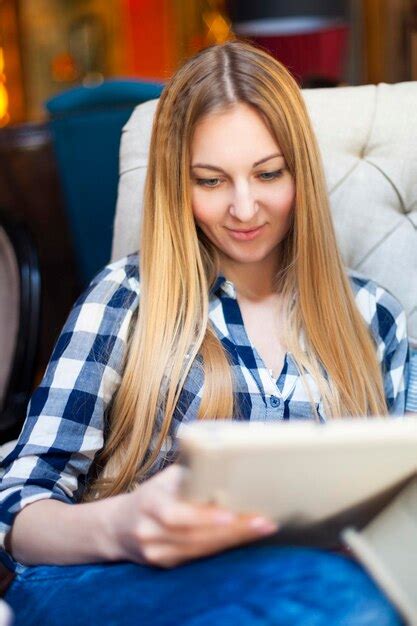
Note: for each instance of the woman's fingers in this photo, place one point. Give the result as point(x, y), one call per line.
point(237, 529)
point(242, 529)
point(170, 530)
point(178, 514)
point(176, 548)
point(174, 512)
point(187, 519)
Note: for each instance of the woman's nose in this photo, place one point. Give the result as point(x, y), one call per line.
point(243, 205)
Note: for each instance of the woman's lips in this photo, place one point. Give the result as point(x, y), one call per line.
point(245, 235)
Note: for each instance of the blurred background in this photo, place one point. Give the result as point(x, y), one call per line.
point(71, 72)
point(47, 46)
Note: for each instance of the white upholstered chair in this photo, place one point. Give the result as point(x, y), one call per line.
point(368, 140)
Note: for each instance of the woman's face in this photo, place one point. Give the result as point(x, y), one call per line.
point(242, 193)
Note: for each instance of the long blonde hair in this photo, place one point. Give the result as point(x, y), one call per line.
point(178, 266)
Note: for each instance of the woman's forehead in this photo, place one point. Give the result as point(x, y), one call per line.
point(238, 130)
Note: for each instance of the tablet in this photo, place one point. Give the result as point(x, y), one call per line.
point(301, 474)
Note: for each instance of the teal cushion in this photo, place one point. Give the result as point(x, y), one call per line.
point(86, 124)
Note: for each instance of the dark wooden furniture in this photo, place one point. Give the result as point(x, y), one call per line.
point(21, 299)
point(30, 189)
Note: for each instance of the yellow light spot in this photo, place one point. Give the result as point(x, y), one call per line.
point(4, 96)
point(218, 27)
point(4, 101)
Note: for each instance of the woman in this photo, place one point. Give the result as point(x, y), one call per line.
point(242, 310)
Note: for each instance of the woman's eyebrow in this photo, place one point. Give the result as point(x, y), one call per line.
point(207, 166)
point(271, 156)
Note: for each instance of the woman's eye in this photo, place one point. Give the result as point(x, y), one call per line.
point(271, 175)
point(208, 182)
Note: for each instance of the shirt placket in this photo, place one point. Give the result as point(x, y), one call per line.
point(273, 403)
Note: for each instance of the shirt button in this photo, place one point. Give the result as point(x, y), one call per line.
point(274, 401)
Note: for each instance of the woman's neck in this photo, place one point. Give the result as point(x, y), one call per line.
point(253, 281)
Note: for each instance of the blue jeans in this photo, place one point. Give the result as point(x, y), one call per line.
point(252, 586)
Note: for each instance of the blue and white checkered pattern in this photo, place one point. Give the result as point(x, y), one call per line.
point(66, 418)
point(412, 382)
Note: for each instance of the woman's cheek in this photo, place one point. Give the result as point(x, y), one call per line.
point(207, 206)
point(283, 198)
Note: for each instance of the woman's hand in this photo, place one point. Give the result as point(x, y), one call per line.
point(155, 526)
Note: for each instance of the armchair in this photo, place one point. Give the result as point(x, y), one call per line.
point(368, 140)
point(19, 322)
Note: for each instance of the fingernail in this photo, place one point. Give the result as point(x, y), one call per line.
point(223, 517)
point(262, 524)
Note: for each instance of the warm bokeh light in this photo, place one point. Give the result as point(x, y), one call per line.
point(62, 44)
point(4, 97)
point(218, 28)
point(64, 68)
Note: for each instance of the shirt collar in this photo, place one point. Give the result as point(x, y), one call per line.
point(221, 283)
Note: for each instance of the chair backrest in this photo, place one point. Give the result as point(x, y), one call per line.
point(9, 310)
point(20, 295)
point(86, 124)
point(368, 140)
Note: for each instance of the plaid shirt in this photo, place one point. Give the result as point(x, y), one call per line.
point(66, 418)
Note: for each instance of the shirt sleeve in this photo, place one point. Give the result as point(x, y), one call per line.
point(411, 401)
point(64, 424)
point(386, 320)
point(393, 351)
